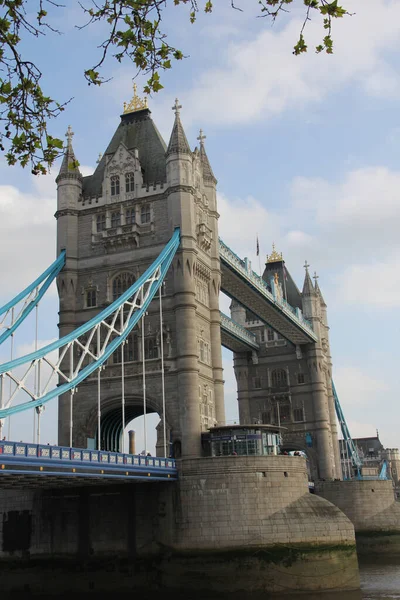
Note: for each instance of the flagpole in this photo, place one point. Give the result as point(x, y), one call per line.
point(258, 254)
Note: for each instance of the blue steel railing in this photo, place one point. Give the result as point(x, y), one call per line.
point(242, 267)
point(57, 454)
point(239, 332)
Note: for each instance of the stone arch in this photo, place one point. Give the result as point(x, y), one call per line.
point(111, 418)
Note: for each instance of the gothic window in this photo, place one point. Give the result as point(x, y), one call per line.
point(284, 413)
point(91, 298)
point(257, 383)
point(130, 216)
point(145, 214)
point(150, 348)
point(279, 378)
point(266, 418)
point(270, 335)
point(202, 352)
point(121, 283)
point(131, 349)
point(115, 219)
point(129, 182)
point(298, 415)
point(300, 378)
point(262, 335)
point(101, 222)
point(114, 185)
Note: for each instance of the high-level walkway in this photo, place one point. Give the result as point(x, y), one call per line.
point(240, 283)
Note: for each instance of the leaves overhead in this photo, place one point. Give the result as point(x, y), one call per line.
point(134, 32)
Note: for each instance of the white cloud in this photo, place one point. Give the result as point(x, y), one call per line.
point(376, 284)
point(273, 80)
point(355, 387)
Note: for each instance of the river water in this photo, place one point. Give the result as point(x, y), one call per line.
point(380, 580)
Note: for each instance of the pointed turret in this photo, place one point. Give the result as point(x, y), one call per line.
point(208, 175)
point(69, 167)
point(318, 291)
point(308, 288)
point(178, 143)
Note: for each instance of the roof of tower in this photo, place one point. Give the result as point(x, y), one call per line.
point(208, 174)
point(178, 142)
point(136, 130)
point(290, 290)
point(69, 166)
point(308, 288)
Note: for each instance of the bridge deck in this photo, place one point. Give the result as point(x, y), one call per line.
point(36, 465)
point(240, 283)
point(235, 337)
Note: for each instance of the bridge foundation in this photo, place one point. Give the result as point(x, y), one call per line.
point(250, 523)
point(229, 524)
point(371, 507)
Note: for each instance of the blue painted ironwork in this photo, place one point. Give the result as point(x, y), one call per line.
point(22, 459)
point(30, 297)
point(350, 445)
point(129, 308)
point(384, 474)
point(242, 267)
point(238, 332)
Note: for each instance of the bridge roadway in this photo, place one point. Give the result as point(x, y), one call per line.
point(23, 465)
point(240, 283)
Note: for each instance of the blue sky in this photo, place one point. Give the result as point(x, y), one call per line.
point(306, 151)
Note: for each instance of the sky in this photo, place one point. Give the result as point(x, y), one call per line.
point(306, 151)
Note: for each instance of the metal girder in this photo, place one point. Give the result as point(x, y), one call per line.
point(15, 312)
point(86, 348)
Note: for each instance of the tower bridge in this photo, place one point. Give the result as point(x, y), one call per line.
point(139, 273)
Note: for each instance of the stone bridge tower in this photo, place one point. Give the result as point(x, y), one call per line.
point(113, 224)
point(291, 385)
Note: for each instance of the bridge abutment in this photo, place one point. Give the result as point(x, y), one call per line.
point(371, 507)
point(250, 523)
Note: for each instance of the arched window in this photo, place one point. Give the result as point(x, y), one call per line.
point(91, 299)
point(129, 182)
point(101, 222)
point(145, 214)
point(130, 216)
point(115, 219)
point(150, 348)
point(114, 185)
point(121, 283)
point(131, 352)
point(279, 378)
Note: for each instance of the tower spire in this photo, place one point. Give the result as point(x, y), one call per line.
point(69, 166)
point(308, 288)
point(317, 289)
point(178, 142)
point(208, 174)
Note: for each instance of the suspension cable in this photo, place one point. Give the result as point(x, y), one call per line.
point(123, 387)
point(98, 397)
point(35, 390)
point(71, 394)
point(144, 390)
point(162, 373)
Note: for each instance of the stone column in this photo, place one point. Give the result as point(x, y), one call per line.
point(216, 349)
point(132, 447)
point(321, 414)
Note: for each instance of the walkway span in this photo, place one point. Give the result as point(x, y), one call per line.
point(235, 337)
point(240, 283)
